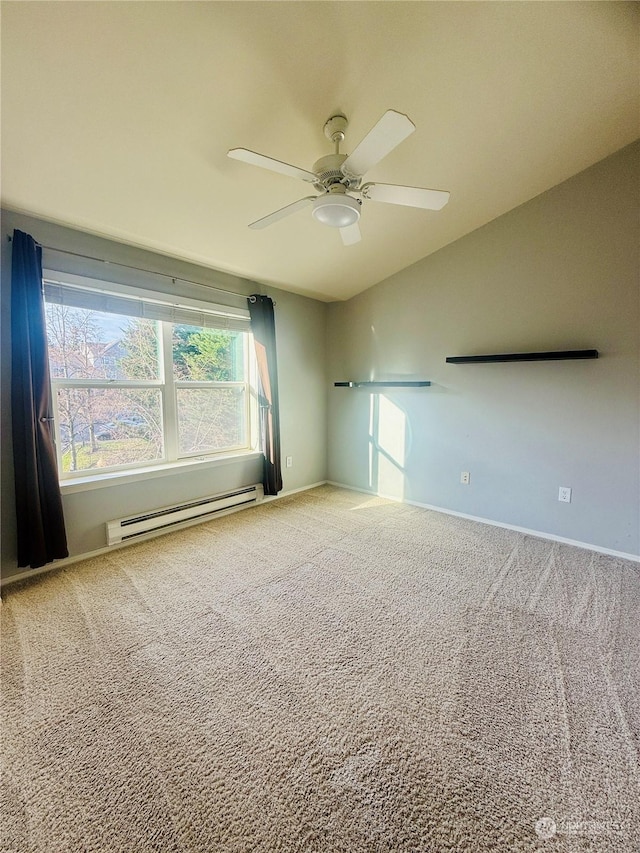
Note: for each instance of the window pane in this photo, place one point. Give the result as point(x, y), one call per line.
point(107, 427)
point(211, 419)
point(207, 355)
point(86, 344)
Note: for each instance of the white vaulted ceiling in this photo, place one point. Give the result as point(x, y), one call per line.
point(117, 117)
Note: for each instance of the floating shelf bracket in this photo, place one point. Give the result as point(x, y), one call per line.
point(560, 355)
point(421, 383)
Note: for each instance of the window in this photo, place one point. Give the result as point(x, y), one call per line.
point(138, 381)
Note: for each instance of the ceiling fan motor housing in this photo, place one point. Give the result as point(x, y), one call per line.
point(327, 169)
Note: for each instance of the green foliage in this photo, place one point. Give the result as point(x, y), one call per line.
point(204, 355)
point(199, 355)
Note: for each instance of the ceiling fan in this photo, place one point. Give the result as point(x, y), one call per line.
point(338, 177)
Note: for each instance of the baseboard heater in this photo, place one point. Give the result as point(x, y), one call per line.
point(124, 529)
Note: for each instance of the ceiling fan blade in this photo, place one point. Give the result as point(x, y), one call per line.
point(351, 234)
point(284, 211)
point(255, 159)
point(383, 137)
point(410, 196)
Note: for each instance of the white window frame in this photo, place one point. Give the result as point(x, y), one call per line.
point(166, 309)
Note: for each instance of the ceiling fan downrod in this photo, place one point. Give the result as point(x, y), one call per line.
point(335, 129)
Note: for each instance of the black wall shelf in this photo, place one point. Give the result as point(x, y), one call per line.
point(422, 383)
point(560, 355)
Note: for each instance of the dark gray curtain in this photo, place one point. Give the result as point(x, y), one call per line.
point(41, 532)
point(264, 335)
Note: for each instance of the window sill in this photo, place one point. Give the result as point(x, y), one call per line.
point(119, 478)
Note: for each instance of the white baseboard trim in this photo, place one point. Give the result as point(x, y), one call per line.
point(108, 549)
point(527, 531)
point(293, 491)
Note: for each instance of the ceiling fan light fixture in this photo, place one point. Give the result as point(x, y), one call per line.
point(336, 210)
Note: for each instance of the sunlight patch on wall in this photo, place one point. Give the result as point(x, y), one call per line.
point(387, 446)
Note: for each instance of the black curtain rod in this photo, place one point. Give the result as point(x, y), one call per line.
point(173, 278)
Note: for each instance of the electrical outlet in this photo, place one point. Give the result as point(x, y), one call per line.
point(465, 478)
point(564, 494)
point(289, 461)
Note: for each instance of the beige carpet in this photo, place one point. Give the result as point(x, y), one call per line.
point(325, 673)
